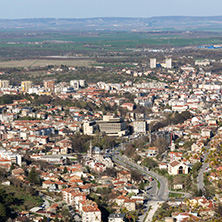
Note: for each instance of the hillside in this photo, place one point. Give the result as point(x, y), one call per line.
point(177, 23)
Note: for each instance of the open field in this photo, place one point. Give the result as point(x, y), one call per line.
point(29, 44)
point(44, 62)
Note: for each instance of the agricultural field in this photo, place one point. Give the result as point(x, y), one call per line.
point(26, 44)
point(44, 62)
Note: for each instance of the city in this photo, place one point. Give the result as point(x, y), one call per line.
point(101, 151)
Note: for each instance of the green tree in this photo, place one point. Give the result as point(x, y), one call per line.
point(3, 213)
point(33, 176)
point(65, 170)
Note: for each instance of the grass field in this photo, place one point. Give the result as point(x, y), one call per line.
point(44, 62)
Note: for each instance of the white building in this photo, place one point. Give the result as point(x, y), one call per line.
point(153, 63)
point(168, 63)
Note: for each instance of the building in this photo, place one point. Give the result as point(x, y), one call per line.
point(90, 128)
point(26, 85)
point(116, 218)
point(204, 62)
point(176, 167)
point(49, 85)
point(82, 83)
point(112, 126)
point(91, 213)
point(75, 84)
point(139, 127)
point(153, 63)
point(168, 63)
point(4, 83)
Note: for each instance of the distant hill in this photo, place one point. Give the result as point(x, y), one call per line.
point(177, 23)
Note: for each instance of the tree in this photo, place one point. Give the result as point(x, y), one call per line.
point(65, 170)
point(136, 176)
point(149, 162)
point(161, 144)
point(33, 177)
point(3, 214)
point(45, 219)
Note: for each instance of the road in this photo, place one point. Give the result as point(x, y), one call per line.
point(200, 177)
point(157, 192)
point(162, 193)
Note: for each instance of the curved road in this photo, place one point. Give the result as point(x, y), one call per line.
point(157, 191)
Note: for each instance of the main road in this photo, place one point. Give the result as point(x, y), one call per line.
point(157, 191)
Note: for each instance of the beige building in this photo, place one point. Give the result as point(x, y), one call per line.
point(26, 85)
point(112, 126)
point(109, 125)
point(177, 167)
point(4, 83)
point(90, 128)
point(49, 85)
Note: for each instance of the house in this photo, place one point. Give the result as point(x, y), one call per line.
point(175, 156)
point(91, 213)
point(131, 189)
point(49, 185)
point(206, 132)
point(176, 167)
point(124, 175)
point(152, 151)
point(116, 218)
point(163, 166)
point(129, 106)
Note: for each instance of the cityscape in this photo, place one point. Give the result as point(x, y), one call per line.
point(110, 119)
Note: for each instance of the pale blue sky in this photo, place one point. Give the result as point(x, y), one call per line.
point(10, 9)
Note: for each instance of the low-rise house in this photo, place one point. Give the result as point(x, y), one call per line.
point(49, 185)
point(152, 151)
point(124, 175)
point(116, 218)
point(132, 189)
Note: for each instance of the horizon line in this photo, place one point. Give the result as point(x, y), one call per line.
point(191, 16)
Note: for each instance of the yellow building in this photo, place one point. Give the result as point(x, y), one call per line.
point(26, 85)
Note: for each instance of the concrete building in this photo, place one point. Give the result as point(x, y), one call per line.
point(4, 83)
point(74, 84)
point(49, 85)
point(112, 126)
point(168, 63)
point(89, 128)
point(26, 85)
point(139, 127)
point(82, 83)
point(153, 63)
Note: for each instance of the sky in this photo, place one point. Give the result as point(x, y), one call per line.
point(17, 9)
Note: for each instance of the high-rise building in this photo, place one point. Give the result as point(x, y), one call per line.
point(4, 83)
point(74, 84)
point(153, 63)
point(26, 85)
point(49, 85)
point(168, 63)
point(82, 83)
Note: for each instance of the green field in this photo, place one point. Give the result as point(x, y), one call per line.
point(58, 43)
